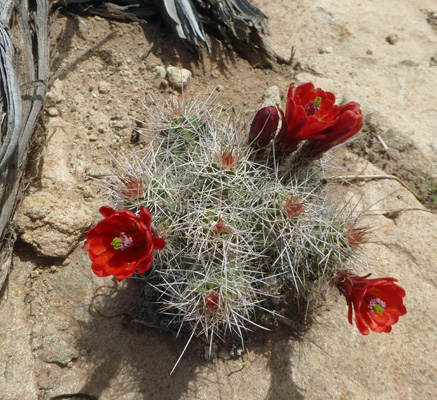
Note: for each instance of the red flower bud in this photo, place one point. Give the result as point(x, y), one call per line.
point(213, 302)
point(263, 127)
point(378, 303)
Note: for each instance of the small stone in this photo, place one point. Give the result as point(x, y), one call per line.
point(326, 50)
point(369, 52)
point(179, 77)
point(433, 60)
point(104, 87)
point(392, 38)
point(53, 112)
point(160, 71)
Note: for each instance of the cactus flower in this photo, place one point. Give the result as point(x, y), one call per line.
point(122, 243)
point(263, 127)
point(348, 124)
point(378, 303)
point(311, 114)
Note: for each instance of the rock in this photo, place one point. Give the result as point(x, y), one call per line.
point(104, 87)
point(160, 71)
point(53, 112)
point(433, 60)
point(51, 224)
point(326, 50)
point(178, 77)
point(51, 348)
point(392, 38)
point(272, 96)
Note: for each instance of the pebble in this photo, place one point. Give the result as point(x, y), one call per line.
point(178, 77)
point(104, 87)
point(53, 112)
point(392, 38)
point(160, 71)
point(326, 50)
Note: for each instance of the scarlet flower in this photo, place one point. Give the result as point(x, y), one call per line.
point(378, 303)
point(263, 127)
point(122, 243)
point(311, 114)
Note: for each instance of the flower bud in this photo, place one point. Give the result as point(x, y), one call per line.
point(263, 127)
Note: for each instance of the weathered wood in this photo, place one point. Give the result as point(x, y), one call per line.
point(20, 105)
point(237, 22)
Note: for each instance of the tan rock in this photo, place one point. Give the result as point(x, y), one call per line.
point(52, 225)
point(178, 77)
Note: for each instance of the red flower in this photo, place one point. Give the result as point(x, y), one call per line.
point(122, 243)
point(311, 114)
point(263, 127)
point(378, 303)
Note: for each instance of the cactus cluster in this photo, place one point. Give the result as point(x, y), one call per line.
point(245, 229)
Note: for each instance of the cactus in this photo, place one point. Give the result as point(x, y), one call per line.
point(245, 228)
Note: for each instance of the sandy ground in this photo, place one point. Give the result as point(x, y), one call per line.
point(54, 343)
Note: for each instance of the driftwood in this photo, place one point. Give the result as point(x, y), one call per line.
point(24, 69)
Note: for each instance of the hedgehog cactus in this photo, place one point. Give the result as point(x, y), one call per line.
point(244, 223)
point(234, 218)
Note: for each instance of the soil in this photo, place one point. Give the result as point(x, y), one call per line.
point(66, 333)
